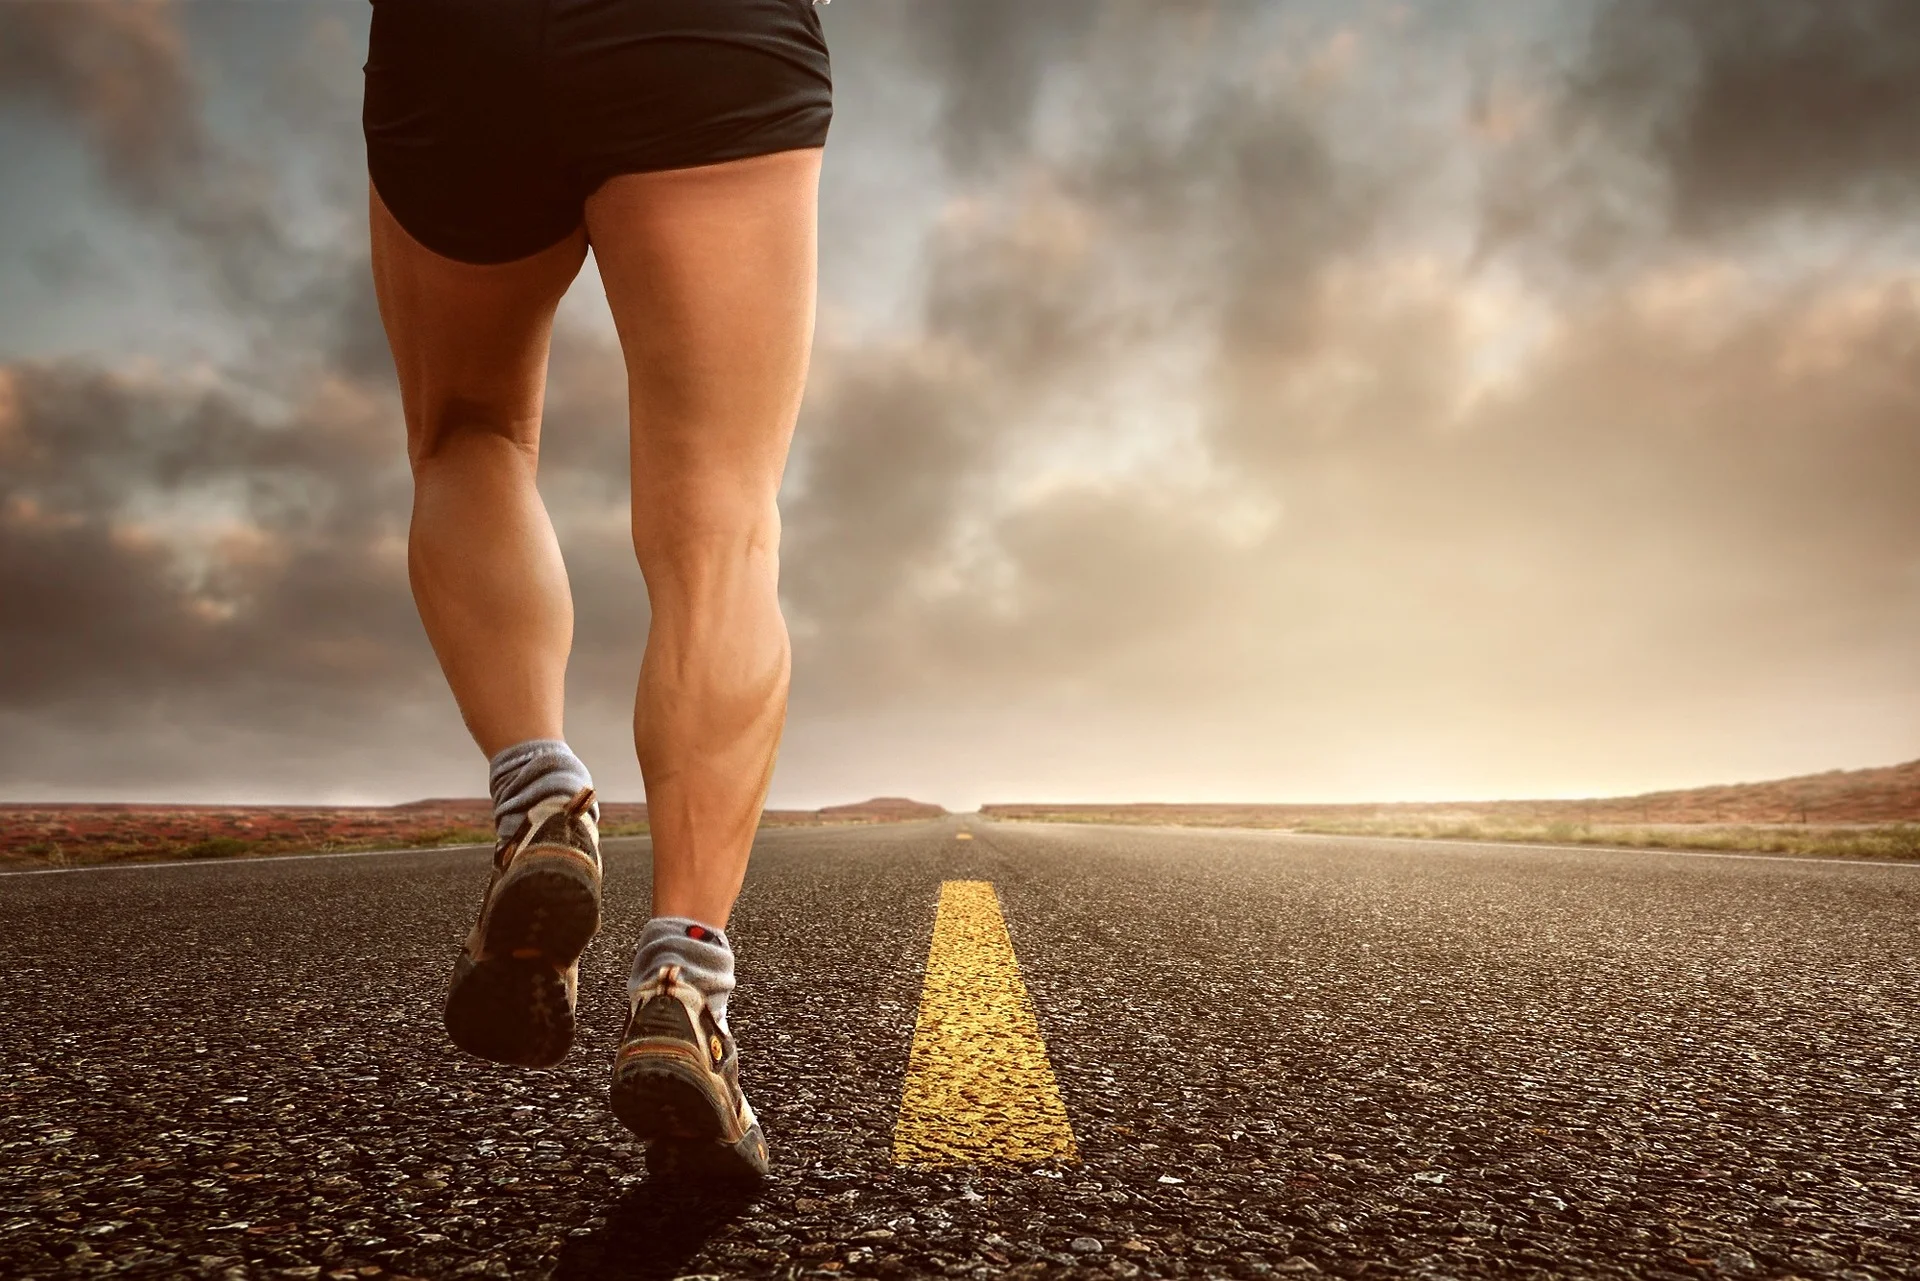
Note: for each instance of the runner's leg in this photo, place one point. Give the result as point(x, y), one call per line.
point(710, 275)
point(470, 343)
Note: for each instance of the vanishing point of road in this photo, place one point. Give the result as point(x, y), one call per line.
point(991, 1049)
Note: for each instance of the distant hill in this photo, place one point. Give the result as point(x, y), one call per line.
point(881, 809)
point(1890, 794)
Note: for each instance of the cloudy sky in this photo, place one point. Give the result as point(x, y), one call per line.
point(1211, 401)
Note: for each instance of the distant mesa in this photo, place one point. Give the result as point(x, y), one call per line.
point(881, 809)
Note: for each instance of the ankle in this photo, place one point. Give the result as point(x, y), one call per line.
point(522, 776)
point(702, 952)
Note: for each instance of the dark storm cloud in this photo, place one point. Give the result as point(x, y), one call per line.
point(885, 474)
point(191, 557)
point(991, 60)
point(1785, 105)
point(1705, 118)
point(224, 581)
point(158, 536)
point(119, 73)
point(1181, 201)
point(220, 554)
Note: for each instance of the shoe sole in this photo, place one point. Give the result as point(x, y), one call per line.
point(514, 1006)
point(667, 1104)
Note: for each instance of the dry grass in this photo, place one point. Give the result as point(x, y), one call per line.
point(1894, 841)
point(80, 835)
point(1835, 801)
point(90, 853)
point(1869, 813)
point(1885, 841)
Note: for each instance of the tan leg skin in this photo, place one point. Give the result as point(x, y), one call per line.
point(470, 343)
point(710, 274)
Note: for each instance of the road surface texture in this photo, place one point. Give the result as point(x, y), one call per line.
point(1278, 1055)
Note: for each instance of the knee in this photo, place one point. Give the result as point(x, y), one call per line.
point(698, 526)
point(451, 428)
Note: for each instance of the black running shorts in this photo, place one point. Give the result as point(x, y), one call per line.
point(489, 122)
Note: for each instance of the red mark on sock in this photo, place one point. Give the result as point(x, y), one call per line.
point(697, 931)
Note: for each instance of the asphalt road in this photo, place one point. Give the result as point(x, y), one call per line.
point(1279, 1055)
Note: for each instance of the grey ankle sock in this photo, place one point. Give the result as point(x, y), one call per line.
point(527, 773)
point(700, 950)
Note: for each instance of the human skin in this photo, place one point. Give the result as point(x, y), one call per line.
point(710, 274)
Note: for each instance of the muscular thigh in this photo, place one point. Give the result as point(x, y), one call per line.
point(710, 275)
point(469, 340)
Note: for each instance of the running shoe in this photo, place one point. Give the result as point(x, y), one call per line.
point(676, 1085)
point(513, 990)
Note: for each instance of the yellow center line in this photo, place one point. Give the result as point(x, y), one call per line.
point(979, 1089)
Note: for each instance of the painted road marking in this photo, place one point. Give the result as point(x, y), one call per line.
point(963, 836)
point(980, 1090)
